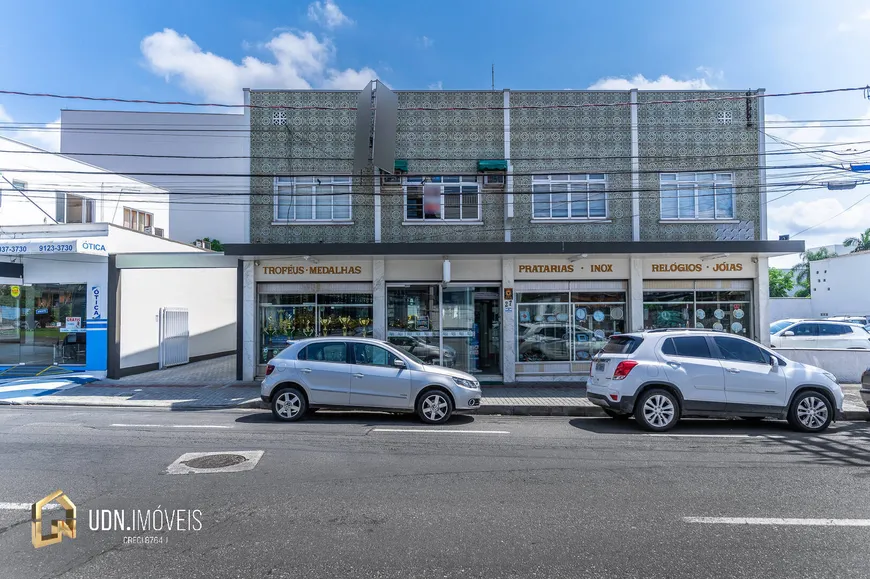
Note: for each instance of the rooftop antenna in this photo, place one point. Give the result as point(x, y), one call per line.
point(493, 76)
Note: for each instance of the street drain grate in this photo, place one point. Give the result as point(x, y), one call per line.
point(215, 462)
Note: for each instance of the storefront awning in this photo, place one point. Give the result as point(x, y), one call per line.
point(492, 165)
point(25, 247)
point(401, 165)
point(761, 248)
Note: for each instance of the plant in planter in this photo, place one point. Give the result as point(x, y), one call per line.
point(364, 324)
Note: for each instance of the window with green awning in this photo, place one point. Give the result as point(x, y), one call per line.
point(492, 165)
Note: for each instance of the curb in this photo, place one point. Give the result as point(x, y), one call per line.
point(588, 411)
point(583, 410)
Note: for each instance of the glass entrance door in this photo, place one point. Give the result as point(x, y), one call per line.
point(455, 326)
point(470, 325)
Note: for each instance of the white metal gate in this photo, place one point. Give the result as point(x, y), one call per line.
point(174, 337)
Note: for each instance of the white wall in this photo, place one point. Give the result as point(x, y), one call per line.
point(197, 209)
point(208, 294)
point(784, 308)
point(37, 204)
point(841, 285)
point(846, 365)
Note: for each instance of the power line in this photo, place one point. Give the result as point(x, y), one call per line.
point(790, 151)
point(424, 175)
point(493, 108)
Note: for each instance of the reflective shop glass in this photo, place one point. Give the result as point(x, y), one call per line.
point(456, 326)
point(43, 324)
point(722, 310)
point(286, 317)
point(567, 326)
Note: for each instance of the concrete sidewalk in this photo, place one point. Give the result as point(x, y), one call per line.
point(532, 400)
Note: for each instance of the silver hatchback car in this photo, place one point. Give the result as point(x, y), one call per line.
point(345, 372)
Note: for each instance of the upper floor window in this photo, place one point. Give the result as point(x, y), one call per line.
point(442, 198)
point(687, 196)
point(75, 209)
point(582, 196)
point(137, 220)
point(312, 198)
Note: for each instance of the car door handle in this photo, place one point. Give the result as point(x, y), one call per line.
point(306, 370)
point(673, 365)
point(359, 375)
point(733, 370)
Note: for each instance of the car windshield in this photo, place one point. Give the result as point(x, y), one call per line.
point(778, 326)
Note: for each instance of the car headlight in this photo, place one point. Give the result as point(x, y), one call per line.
point(470, 384)
point(831, 377)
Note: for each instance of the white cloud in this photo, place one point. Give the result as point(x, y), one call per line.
point(426, 42)
point(664, 82)
point(814, 207)
point(436, 86)
point(45, 136)
point(301, 61)
point(825, 215)
point(849, 25)
point(328, 14)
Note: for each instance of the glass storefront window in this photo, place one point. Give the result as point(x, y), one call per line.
point(721, 310)
point(43, 324)
point(563, 326)
point(457, 326)
point(414, 323)
point(286, 317)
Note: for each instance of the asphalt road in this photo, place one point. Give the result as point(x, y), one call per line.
point(372, 495)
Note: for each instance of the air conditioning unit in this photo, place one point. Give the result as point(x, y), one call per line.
point(149, 230)
point(158, 231)
point(494, 181)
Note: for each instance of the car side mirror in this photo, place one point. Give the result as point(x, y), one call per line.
point(788, 333)
point(774, 362)
point(399, 363)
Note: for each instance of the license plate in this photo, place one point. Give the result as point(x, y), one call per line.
point(600, 366)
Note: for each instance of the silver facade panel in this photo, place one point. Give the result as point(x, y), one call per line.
point(362, 140)
point(386, 113)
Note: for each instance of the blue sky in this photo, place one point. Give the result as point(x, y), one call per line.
point(209, 50)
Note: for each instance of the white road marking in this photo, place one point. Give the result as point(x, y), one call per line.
point(24, 506)
point(717, 435)
point(170, 426)
point(778, 521)
point(439, 430)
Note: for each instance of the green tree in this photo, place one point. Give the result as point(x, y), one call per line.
point(216, 245)
point(802, 270)
point(781, 282)
point(861, 243)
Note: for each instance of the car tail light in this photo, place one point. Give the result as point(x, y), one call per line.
point(269, 369)
point(623, 368)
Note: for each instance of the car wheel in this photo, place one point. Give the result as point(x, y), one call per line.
point(289, 405)
point(434, 407)
point(810, 411)
point(657, 410)
point(616, 415)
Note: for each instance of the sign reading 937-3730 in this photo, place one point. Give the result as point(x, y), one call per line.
point(44, 246)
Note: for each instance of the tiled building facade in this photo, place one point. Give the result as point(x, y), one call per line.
point(519, 230)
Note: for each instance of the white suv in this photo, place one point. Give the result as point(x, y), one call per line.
point(660, 376)
point(820, 334)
